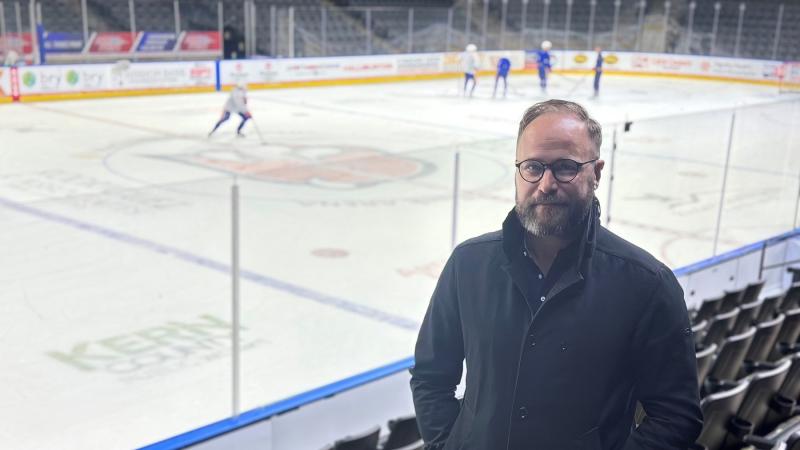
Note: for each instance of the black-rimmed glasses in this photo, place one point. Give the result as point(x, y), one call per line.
point(564, 170)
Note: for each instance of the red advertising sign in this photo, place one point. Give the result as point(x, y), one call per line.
point(112, 42)
point(201, 41)
point(14, 84)
point(22, 43)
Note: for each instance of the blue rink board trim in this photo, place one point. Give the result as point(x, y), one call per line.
point(255, 415)
point(248, 418)
point(263, 280)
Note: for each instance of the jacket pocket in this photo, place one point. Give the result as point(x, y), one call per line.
point(462, 428)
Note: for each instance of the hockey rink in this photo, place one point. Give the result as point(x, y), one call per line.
point(116, 231)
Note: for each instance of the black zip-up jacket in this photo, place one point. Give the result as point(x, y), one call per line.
point(566, 374)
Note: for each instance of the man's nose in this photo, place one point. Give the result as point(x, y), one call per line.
point(548, 184)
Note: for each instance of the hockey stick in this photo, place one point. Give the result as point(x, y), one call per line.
point(258, 131)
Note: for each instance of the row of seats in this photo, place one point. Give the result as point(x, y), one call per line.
point(748, 364)
point(403, 435)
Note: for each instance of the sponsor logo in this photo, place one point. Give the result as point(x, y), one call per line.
point(611, 59)
point(705, 66)
point(156, 350)
point(29, 79)
point(580, 58)
point(328, 167)
point(72, 78)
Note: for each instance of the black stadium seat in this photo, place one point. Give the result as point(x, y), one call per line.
point(768, 308)
point(731, 300)
point(403, 435)
point(698, 331)
point(790, 298)
point(704, 359)
point(719, 414)
point(708, 309)
point(786, 403)
point(720, 326)
point(729, 360)
point(787, 337)
point(757, 402)
point(763, 342)
point(752, 291)
point(746, 317)
point(365, 441)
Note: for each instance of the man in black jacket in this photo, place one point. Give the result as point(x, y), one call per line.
point(564, 326)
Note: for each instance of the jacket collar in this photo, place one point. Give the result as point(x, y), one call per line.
point(514, 235)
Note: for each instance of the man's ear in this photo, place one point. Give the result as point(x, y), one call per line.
point(598, 169)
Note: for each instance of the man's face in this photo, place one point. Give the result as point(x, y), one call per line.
point(550, 207)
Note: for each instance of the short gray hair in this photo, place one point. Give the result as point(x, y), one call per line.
point(563, 106)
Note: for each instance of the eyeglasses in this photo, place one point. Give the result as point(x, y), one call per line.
point(564, 170)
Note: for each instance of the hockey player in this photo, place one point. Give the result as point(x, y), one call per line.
point(470, 63)
point(598, 70)
point(503, 66)
point(237, 103)
point(543, 63)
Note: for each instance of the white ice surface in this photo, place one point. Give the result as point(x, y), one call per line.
point(115, 232)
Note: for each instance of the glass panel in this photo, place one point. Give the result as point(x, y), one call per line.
point(762, 186)
point(115, 311)
point(667, 184)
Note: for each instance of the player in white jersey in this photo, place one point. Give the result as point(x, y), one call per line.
point(237, 103)
point(470, 63)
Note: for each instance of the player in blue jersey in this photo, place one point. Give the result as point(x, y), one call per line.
point(236, 104)
point(543, 63)
point(503, 66)
point(470, 63)
point(598, 70)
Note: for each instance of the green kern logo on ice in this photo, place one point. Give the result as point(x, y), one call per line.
point(28, 79)
point(72, 77)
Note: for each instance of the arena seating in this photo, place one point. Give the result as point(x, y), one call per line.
point(749, 368)
point(403, 435)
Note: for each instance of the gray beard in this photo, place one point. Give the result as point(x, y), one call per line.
point(563, 222)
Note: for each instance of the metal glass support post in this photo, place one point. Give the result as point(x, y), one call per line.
point(132, 16)
point(545, 19)
point(503, 19)
point(368, 24)
point(523, 27)
point(273, 30)
point(235, 305)
point(690, 28)
point(84, 21)
point(324, 27)
point(39, 13)
point(640, 25)
point(468, 21)
point(617, 4)
point(739, 29)
point(611, 176)
point(220, 18)
point(778, 26)
point(484, 24)
point(177, 7)
point(410, 48)
point(714, 28)
point(253, 28)
point(246, 19)
point(667, 8)
point(3, 36)
point(724, 183)
point(34, 34)
point(568, 24)
point(448, 39)
point(454, 229)
point(592, 11)
point(291, 31)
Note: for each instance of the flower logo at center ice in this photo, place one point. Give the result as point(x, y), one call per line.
point(29, 79)
point(72, 77)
